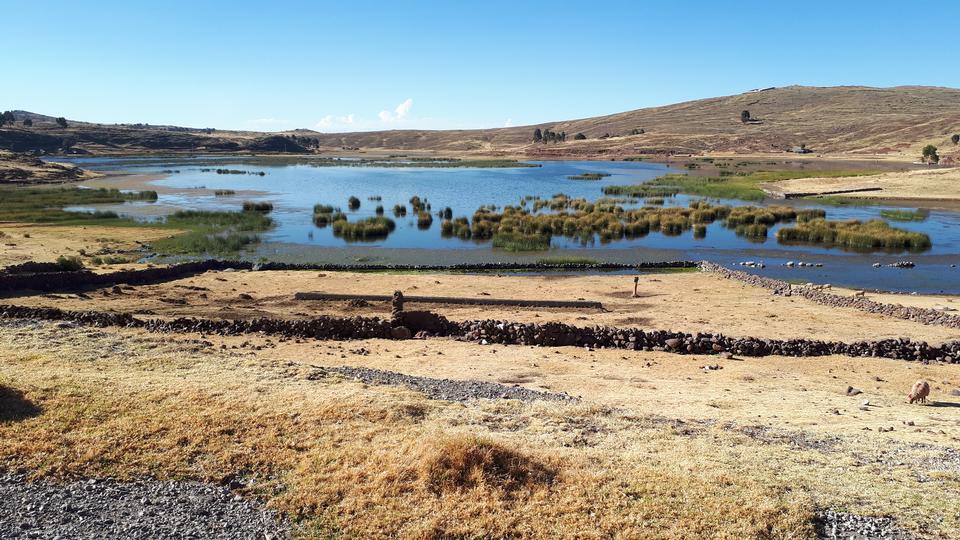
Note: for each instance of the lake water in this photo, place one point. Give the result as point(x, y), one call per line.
point(295, 187)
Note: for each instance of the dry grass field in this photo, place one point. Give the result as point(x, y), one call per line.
point(931, 185)
point(656, 446)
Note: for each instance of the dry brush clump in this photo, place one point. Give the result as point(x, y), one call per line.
point(468, 462)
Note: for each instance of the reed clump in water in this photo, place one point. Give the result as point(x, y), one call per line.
point(374, 228)
point(854, 234)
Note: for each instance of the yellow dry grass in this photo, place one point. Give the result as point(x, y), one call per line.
point(928, 185)
point(22, 242)
point(656, 449)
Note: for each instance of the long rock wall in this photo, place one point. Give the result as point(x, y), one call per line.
point(917, 314)
point(550, 334)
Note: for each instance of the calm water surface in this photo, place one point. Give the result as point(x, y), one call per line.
point(294, 188)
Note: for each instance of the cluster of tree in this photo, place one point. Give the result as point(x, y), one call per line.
point(7, 118)
point(61, 121)
point(930, 154)
point(548, 136)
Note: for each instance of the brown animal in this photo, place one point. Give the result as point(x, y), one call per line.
point(920, 391)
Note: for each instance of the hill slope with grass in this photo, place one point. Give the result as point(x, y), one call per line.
point(895, 122)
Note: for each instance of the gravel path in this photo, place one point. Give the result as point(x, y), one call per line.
point(98, 509)
point(448, 389)
point(832, 525)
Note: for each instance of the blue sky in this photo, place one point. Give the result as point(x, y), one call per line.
point(361, 65)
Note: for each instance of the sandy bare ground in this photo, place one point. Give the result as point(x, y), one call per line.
point(689, 301)
point(923, 185)
point(21, 242)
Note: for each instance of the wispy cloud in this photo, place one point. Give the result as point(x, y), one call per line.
point(508, 123)
point(399, 113)
point(330, 121)
point(266, 121)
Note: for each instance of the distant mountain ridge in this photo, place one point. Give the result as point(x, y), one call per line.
point(838, 120)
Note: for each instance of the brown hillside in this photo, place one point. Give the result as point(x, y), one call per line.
point(894, 122)
point(849, 119)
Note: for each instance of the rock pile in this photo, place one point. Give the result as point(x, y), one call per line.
point(917, 314)
point(554, 334)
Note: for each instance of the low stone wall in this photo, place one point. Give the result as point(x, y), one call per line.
point(551, 334)
point(555, 334)
point(917, 314)
point(62, 281)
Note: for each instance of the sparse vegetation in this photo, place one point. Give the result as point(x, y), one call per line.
point(589, 176)
point(69, 264)
point(744, 116)
point(858, 235)
point(579, 137)
point(744, 186)
point(375, 228)
point(224, 193)
point(424, 220)
point(262, 207)
point(61, 121)
point(518, 241)
point(7, 118)
point(43, 205)
point(930, 155)
point(905, 215)
point(399, 210)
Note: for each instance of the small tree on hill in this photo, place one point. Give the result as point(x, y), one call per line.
point(955, 139)
point(537, 135)
point(930, 154)
point(62, 122)
point(27, 122)
point(579, 137)
point(745, 116)
point(7, 118)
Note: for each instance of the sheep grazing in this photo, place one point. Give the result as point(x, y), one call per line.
point(920, 391)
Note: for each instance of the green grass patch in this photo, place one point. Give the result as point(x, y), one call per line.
point(905, 215)
point(743, 186)
point(588, 176)
point(369, 229)
point(46, 205)
point(518, 241)
point(858, 235)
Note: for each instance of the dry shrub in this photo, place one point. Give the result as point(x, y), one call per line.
point(465, 462)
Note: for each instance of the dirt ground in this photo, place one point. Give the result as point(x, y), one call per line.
point(929, 185)
point(687, 301)
point(22, 242)
point(657, 447)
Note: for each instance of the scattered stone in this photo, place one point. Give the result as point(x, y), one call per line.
point(445, 389)
point(832, 525)
point(97, 508)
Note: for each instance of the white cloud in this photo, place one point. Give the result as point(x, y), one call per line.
point(398, 114)
point(330, 121)
point(508, 123)
point(267, 121)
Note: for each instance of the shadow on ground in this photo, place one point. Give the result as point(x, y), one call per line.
point(15, 406)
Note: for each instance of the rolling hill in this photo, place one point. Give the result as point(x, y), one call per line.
point(852, 120)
